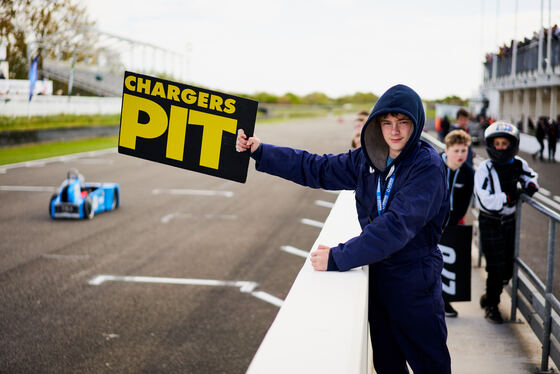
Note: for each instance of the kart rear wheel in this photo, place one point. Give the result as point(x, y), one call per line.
point(115, 199)
point(88, 208)
point(51, 213)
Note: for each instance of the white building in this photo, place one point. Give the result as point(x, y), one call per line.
point(524, 81)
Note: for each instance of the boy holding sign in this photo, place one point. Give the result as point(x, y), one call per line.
point(401, 228)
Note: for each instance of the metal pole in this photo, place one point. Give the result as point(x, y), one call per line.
point(549, 41)
point(548, 295)
point(497, 17)
point(515, 279)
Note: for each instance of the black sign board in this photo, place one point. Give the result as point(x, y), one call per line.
point(185, 126)
point(455, 245)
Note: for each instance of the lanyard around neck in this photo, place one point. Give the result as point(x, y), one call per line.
point(452, 186)
point(382, 204)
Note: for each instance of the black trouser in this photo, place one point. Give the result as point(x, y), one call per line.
point(551, 149)
point(540, 151)
point(497, 238)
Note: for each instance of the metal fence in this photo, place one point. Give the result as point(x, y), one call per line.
point(531, 296)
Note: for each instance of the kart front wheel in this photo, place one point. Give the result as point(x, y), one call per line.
point(115, 199)
point(51, 212)
point(88, 208)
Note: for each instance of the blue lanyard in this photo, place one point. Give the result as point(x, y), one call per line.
point(452, 186)
point(381, 205)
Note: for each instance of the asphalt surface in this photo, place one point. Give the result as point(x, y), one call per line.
point(52, 320)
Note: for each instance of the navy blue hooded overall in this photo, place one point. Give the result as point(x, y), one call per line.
point(405, 305)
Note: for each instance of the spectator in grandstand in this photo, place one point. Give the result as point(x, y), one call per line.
point(400, 229)
point(460, 179)
point(461, 123)
point(496, 196)
point(552, 138)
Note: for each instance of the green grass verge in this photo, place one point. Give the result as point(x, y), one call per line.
point(57, 121)
point(11, 155)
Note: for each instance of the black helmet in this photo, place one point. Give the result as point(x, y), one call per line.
point(505, 130)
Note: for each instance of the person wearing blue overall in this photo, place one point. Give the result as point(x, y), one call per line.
point(402, 202)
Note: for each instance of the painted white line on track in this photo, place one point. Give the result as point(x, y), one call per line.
point(294, 251)
point(333, 192)
point(192, 192)
point(557, 198)
point(244, 286)
point(64, 257)
point(311, 222)
point(547, 201)
point(544, 191)
point(169, 217)
point(325, 204)
point(92, 161)
point(268, 298)
point(29, 188)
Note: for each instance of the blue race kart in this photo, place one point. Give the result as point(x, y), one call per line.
point(77, 199)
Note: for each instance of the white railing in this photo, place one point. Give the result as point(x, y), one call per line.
point(322, 326)
point(42, 105)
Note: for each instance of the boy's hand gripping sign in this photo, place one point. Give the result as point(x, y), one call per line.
point(185, 126)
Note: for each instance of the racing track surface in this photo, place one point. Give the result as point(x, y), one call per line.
point(52, 320)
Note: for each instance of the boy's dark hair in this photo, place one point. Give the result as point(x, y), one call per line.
point(462, 113)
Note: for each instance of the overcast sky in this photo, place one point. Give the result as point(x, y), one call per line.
point(333, 46)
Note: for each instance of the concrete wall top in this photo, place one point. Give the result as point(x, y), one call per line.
point(322, 325)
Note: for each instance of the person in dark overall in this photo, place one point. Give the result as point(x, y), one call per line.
point(540, 134)
point(496, 190)
point(460, 181)
point(402, 202)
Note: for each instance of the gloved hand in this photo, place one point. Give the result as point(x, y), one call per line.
point(531, 189)
point(512, 198)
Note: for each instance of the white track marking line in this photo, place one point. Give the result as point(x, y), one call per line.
point(268, 298)
point(333, 192)
point(64, 257)
point(29, 188)
point(311, 222)
point(544, 191)
point(244, 286)
point(294, 251)
point(160, 191)
point(167, 218)
point(324, 204)
point(557, 198)
point(93, 161)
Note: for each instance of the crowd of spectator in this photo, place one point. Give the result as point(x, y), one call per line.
point(527, 53)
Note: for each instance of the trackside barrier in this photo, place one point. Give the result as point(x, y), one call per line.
point(322, 325)
point(529, 294)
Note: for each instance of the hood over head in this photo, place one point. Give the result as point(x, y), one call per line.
point(397, 99)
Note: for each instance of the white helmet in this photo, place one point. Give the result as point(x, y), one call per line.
point(506, 130)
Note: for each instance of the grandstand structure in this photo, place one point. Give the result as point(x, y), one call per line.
point(522, 80)
point(95, 60)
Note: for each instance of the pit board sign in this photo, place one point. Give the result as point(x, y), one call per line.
point(185, 126)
